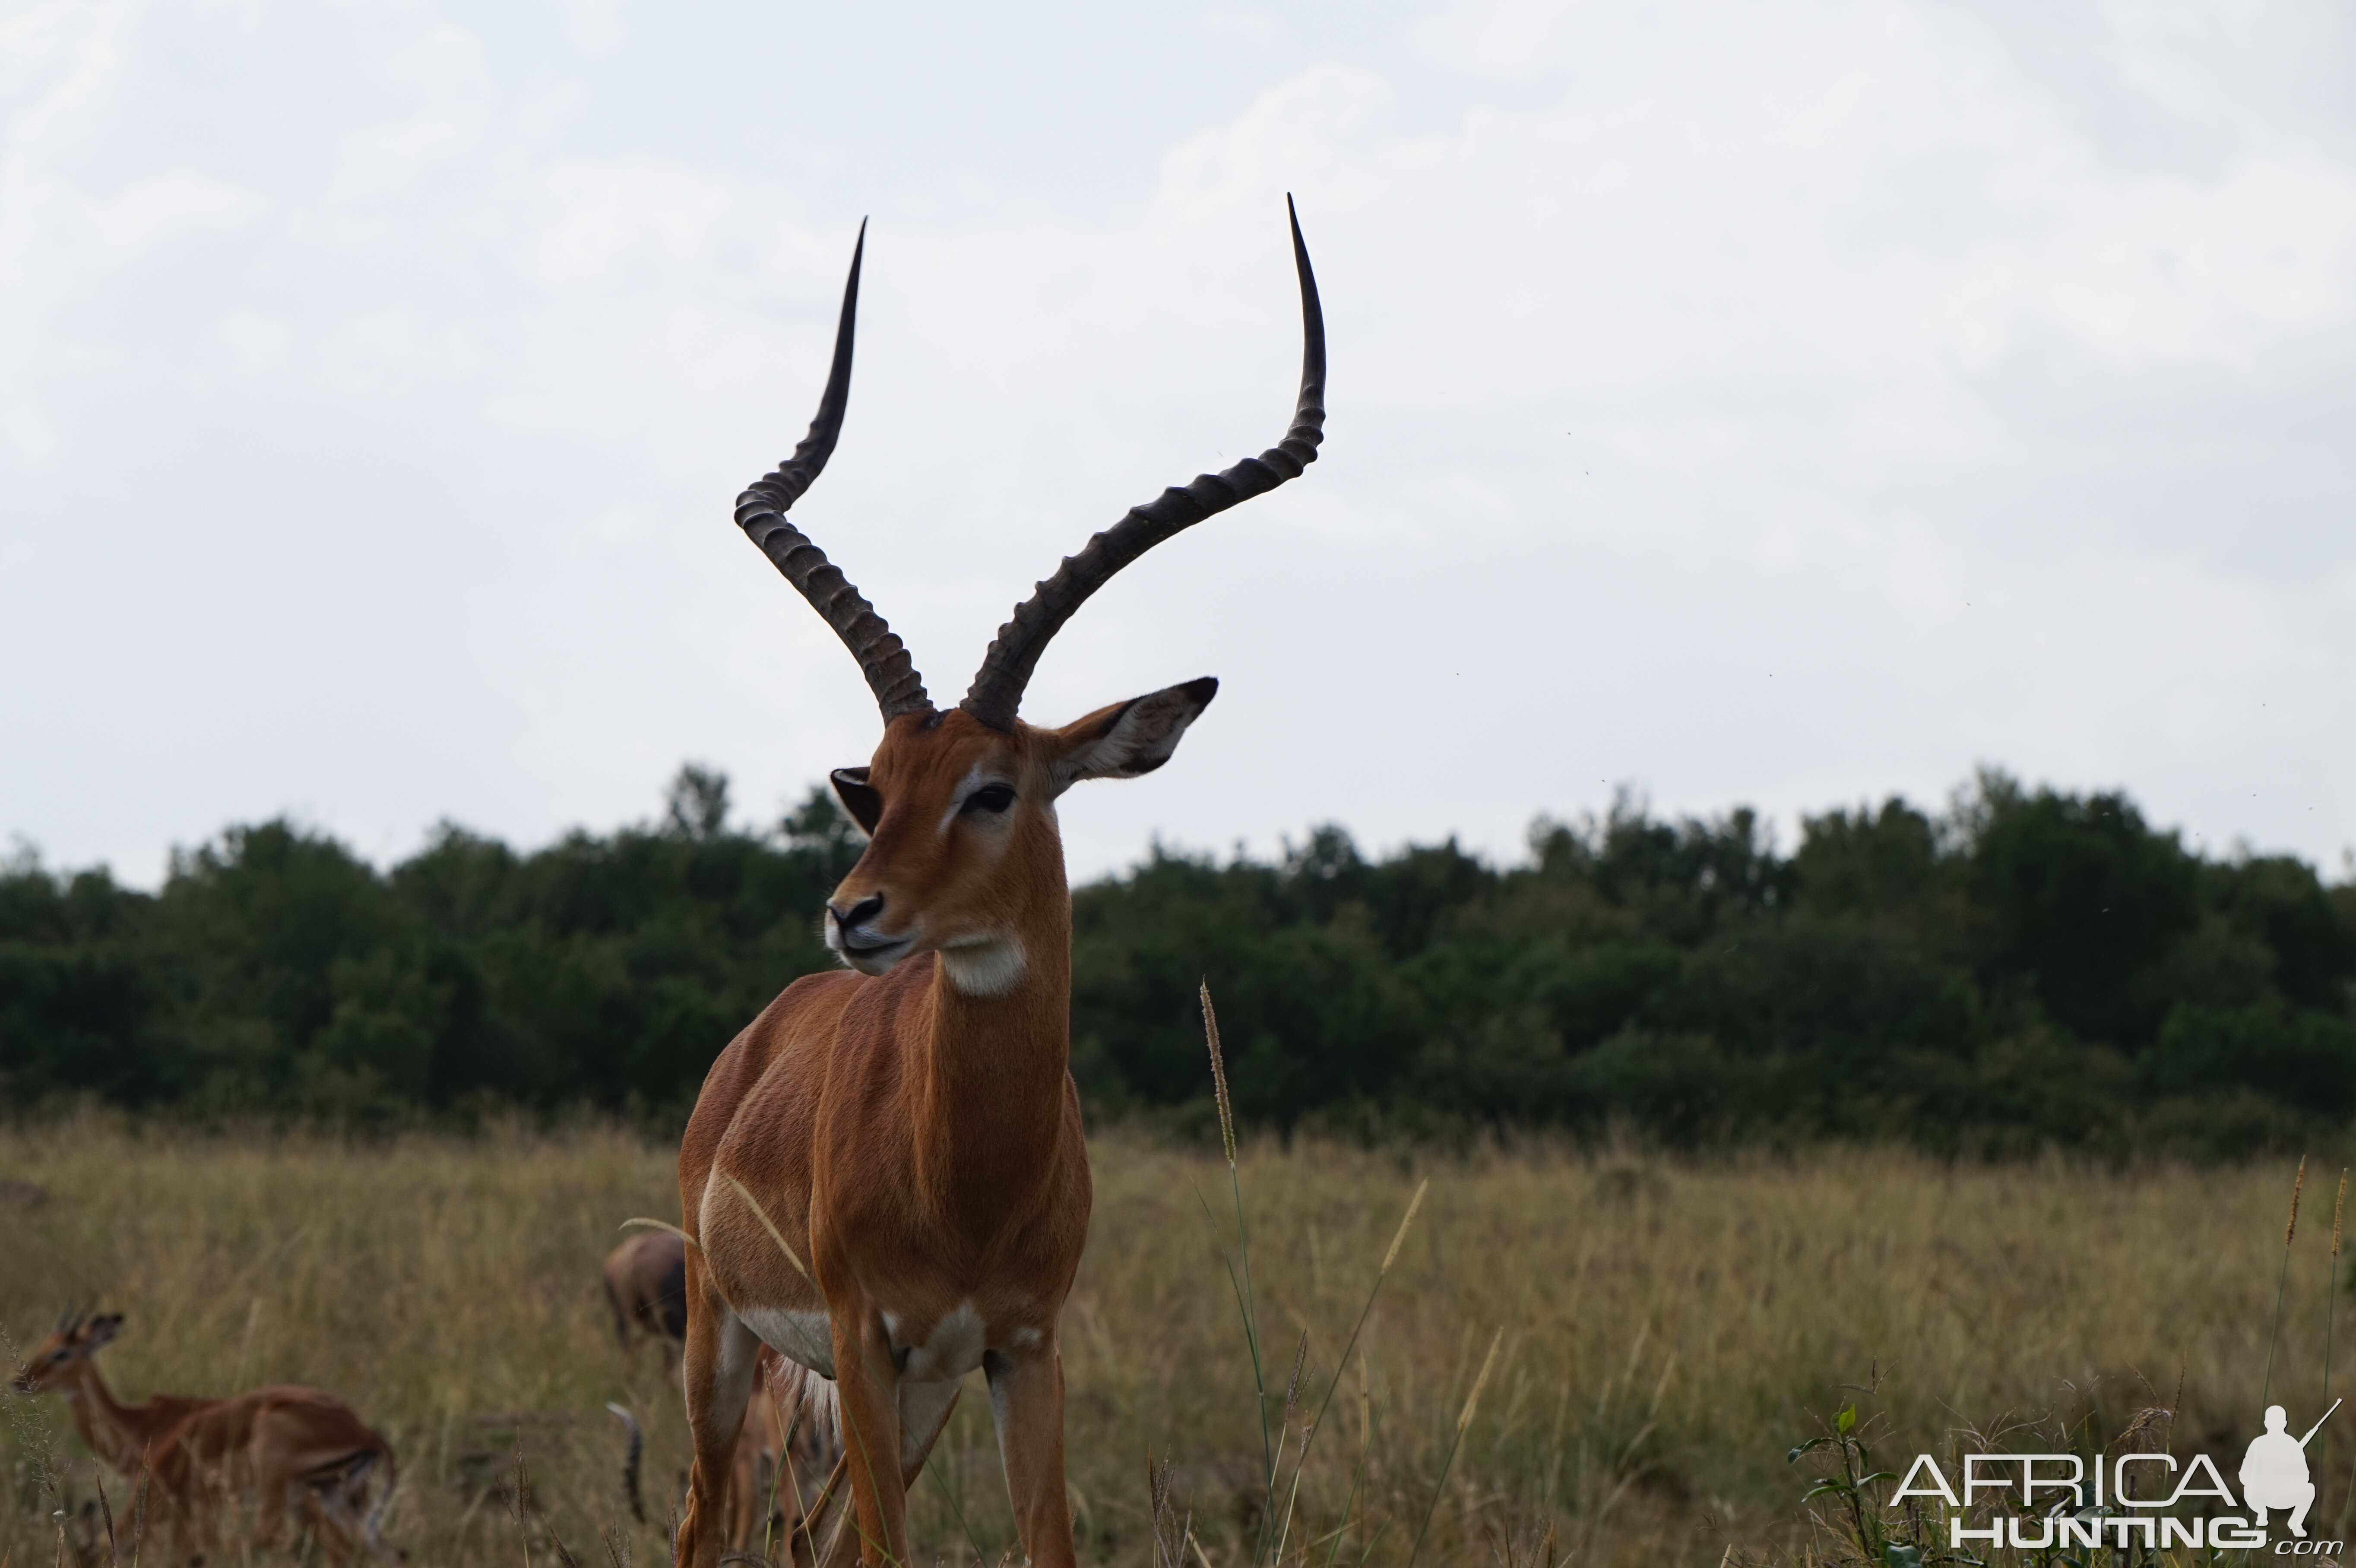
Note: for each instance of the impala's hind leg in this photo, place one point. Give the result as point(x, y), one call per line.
point(1026, 1400)
point(716, 1374)
point(924, 1410)
point(316, 1512)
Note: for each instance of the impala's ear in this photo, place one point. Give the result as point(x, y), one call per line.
point(103, 1331)
point(858, 797)
point(1128, 738)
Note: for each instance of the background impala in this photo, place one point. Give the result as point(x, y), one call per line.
point(253, 1454)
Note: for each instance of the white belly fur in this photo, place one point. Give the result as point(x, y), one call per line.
point(804, 1337)
point(952, 1350)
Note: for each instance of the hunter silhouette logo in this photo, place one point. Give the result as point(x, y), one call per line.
point(2273, 1472)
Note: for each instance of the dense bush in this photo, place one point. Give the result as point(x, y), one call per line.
point(2030, 968)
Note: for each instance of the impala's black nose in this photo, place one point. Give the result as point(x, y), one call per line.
point(865, 910)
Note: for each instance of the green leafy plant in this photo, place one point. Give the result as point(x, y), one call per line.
point(1856, 1486)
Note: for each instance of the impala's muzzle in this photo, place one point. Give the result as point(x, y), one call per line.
point(852, 934)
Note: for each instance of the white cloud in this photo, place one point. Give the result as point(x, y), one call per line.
point(60, 65)
point(599, 226)
point(388, 351)
point(447, 67)
point(595, 24)
point(1783, 404)
point(1510, 38)
point(1253, 29)
point(58, 57)
point(255, 345)
point(119, 228)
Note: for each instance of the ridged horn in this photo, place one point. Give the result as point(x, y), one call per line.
point(997, 691)
point(761, 513)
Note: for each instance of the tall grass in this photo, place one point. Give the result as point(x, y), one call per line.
point(1665, 1332)
point(1868, 1526)
point(1275, 1530)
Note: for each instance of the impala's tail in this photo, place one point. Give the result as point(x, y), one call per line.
point(341, 1493)
point(634, 1451)
point(373, 1523)
point(813, 1410)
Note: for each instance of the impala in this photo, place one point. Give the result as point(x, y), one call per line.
point(646, 1287)
point(786, 1444)
point(884, 1176)
point(269, 1447)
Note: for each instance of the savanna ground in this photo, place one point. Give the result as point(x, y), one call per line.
point(1665, 1332)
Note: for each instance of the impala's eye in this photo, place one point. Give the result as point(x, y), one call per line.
point(994, 798)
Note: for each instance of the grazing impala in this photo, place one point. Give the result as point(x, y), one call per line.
point(269, 1447)
point(786, 1446)
point(884, 1176)
point(646, 1287)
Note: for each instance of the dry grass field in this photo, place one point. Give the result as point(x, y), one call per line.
point(1665, 1332)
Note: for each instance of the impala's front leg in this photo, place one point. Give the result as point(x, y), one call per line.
point(867, 1381)
point(1026, 1401)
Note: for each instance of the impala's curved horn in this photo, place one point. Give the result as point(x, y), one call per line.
point(997, 691)
point(67, 1319)
point(761, 513)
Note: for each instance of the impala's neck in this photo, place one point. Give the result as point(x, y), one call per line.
point(115, 1432)
point(993, 1081)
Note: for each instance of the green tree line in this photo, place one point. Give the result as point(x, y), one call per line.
point(2028, 968)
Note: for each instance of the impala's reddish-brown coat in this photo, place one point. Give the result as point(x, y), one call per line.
point(884, 1176)
point(646, 1289)
point(264, 1448)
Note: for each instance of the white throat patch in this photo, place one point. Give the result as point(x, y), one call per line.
point(984, 966)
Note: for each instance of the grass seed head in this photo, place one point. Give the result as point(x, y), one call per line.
point(2338, 1209)
point(2297, 1186)
point(1219, 1075)
point(1472, 1400)
point(1292, 1385)
point(1406, 1219)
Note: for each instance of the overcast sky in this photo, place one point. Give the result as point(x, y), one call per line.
point(1785, 405)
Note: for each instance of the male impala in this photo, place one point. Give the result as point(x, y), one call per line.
point(884, 1176)
point(265, 1448)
